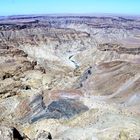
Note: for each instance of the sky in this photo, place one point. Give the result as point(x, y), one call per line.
point(21, 7)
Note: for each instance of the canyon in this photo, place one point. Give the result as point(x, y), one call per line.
point(69, 78)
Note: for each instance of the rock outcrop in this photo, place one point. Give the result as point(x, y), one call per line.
point(11, 133)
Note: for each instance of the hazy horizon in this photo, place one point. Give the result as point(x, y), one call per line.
point(73, 14)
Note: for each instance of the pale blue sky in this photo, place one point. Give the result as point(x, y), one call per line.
point(17, 7)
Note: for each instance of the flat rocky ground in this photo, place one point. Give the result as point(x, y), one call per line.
point(69, 78)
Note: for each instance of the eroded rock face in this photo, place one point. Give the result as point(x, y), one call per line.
point(35, 109)
point(65, 108)
point(10, 133)
point(43, 135)
point(70, 77)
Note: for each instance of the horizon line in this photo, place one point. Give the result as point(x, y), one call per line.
point(73, 14)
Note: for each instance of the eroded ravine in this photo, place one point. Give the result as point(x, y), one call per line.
point(70, 78)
